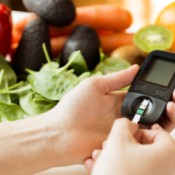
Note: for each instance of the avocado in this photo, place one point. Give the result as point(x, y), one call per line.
point(85, 39)
point(55, 12)
point(29, 53)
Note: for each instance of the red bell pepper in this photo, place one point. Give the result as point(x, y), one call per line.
point(5, 29)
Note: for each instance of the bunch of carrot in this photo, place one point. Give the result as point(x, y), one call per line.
point(110, 22)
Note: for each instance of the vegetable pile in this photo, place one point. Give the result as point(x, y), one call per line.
point(109, 21)
point(43, 69)
point(43, 89)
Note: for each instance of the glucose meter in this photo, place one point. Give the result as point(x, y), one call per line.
point(151, 89)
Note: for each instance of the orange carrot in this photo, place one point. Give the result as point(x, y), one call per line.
point(109, 42)
point(112, 41)
point(16, 36)
point(107, 20)
point(18, 28)
point(20, 25)
point(100, 17)
point(57, 44)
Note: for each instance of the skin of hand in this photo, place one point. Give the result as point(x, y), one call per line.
point(89, 111)
point(168, 122)
point(129, 150)
point(68, 133)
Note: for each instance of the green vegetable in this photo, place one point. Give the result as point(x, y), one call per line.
point(79, 64)
point(52, 86)
point(10, 112)
point(52, 82)
point(34, 104)
point(8, 71)
point(111, 65)
point(7, 78)
point(4, 85)
point(43, 89)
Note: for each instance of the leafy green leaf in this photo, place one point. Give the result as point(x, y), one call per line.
point(34, 104)
point(8, 71)
point(10, 112)
point(78, 64)
point(74, 59)
point(102, 55)
point(110, 65)
point(52, 86)
point(7, 78)
point(84, 75)
point(50, 67)
point(4, 85)
point(16, 91)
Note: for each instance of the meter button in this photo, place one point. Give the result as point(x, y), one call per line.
point(139, 87)
point(160, 93)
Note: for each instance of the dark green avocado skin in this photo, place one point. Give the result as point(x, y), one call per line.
point(29, 53)
point(55, 12)
point(85, 39)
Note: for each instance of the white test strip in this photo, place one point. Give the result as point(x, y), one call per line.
point(136, 118)
point(140, 111)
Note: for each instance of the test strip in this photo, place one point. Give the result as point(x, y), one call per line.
point(140, 111)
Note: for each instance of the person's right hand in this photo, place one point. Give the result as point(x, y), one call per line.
point(129, 150)
point(86, 113)
point(168, 122)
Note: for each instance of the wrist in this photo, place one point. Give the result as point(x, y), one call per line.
point(57, 137)
point(35, 144)
point(62, 137)
point(79, 145)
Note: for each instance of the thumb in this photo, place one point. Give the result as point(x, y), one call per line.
point(162, 136)
point(120, 79)
point(123, 131)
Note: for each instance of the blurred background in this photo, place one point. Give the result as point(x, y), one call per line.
point(143, 11)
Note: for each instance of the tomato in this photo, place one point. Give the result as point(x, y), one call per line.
point(5, 29)
point(166, 18)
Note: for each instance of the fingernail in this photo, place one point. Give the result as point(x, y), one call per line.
point(156, 127)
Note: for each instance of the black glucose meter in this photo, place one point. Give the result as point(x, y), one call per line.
point(151, 89)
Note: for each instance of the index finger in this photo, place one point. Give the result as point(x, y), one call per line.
point(123, 131)
point(121, 79)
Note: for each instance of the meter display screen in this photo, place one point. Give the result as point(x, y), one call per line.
point(160, 72)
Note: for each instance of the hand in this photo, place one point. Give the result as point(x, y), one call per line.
point(89, 110)
point(168, 121)
point(129, 150)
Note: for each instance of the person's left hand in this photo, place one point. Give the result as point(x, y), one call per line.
point(89, 110)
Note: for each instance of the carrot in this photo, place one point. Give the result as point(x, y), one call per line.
point(20, 25)
point(112, 41)
point(109, 42)
point(13, 50)
point(100, 17)
point(18, 28)
point(57, 44)
point(107, 20)
point(16, 36)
